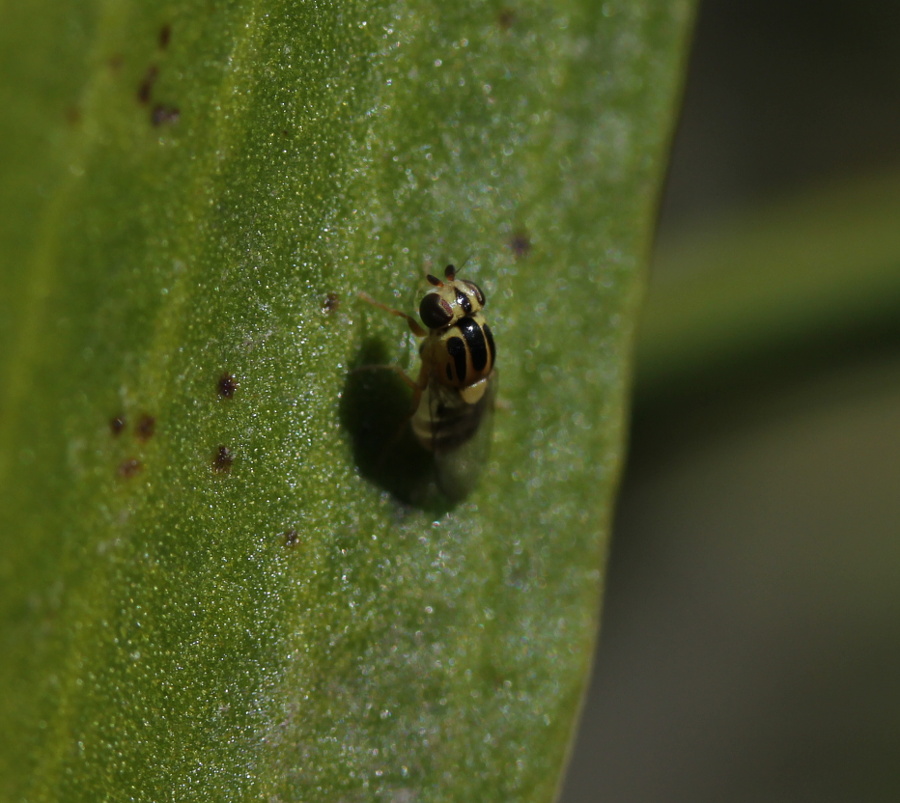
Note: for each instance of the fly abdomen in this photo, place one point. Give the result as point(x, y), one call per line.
point(444, 420)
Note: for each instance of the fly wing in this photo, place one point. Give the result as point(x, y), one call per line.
point(461, 438)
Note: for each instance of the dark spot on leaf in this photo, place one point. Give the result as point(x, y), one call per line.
point(146, 427)
point(163, 115)
point(291, 538)
point(73, 116)
point(222, 460)
point(227, 386)
point(165, 36)
point(128, 468)
point(115, 62)
point(117, 424)
point(506, 18)
point(331, 303)
point(145, 87)
point(520, 244)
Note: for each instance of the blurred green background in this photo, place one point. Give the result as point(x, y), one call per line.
point(750, 648)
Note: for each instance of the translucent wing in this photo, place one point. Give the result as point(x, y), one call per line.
point(460, 436)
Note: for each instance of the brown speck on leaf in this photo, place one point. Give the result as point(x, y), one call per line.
point(222, 460)
point(115, 62)
point(146, 427)
point(162, 114)
point(520, 244)
point(128, 468)
point(331, 303)
point(117, 424)
point(227, 386)
point(145, 87)
point(506, 18)
point(165, 36)
point(291, 538)
point(73, 116)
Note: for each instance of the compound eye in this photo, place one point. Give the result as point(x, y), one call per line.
point(435, 312)
point(477, 291)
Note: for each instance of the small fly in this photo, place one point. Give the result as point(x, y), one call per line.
point(453, 394)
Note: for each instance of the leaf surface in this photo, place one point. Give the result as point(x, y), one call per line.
point(206, 592)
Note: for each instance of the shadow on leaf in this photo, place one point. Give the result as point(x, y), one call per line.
point(375, 411)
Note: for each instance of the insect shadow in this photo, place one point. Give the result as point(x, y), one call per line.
point(375, 412)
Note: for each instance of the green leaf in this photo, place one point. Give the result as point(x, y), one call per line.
point(207, 592)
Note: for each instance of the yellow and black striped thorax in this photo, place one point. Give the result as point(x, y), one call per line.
point(459, 350)
point(461, 354)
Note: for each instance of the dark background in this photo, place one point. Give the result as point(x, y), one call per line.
point(750, 644)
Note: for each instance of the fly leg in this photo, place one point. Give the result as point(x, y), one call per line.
point(416, 387)
point(415, 327)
